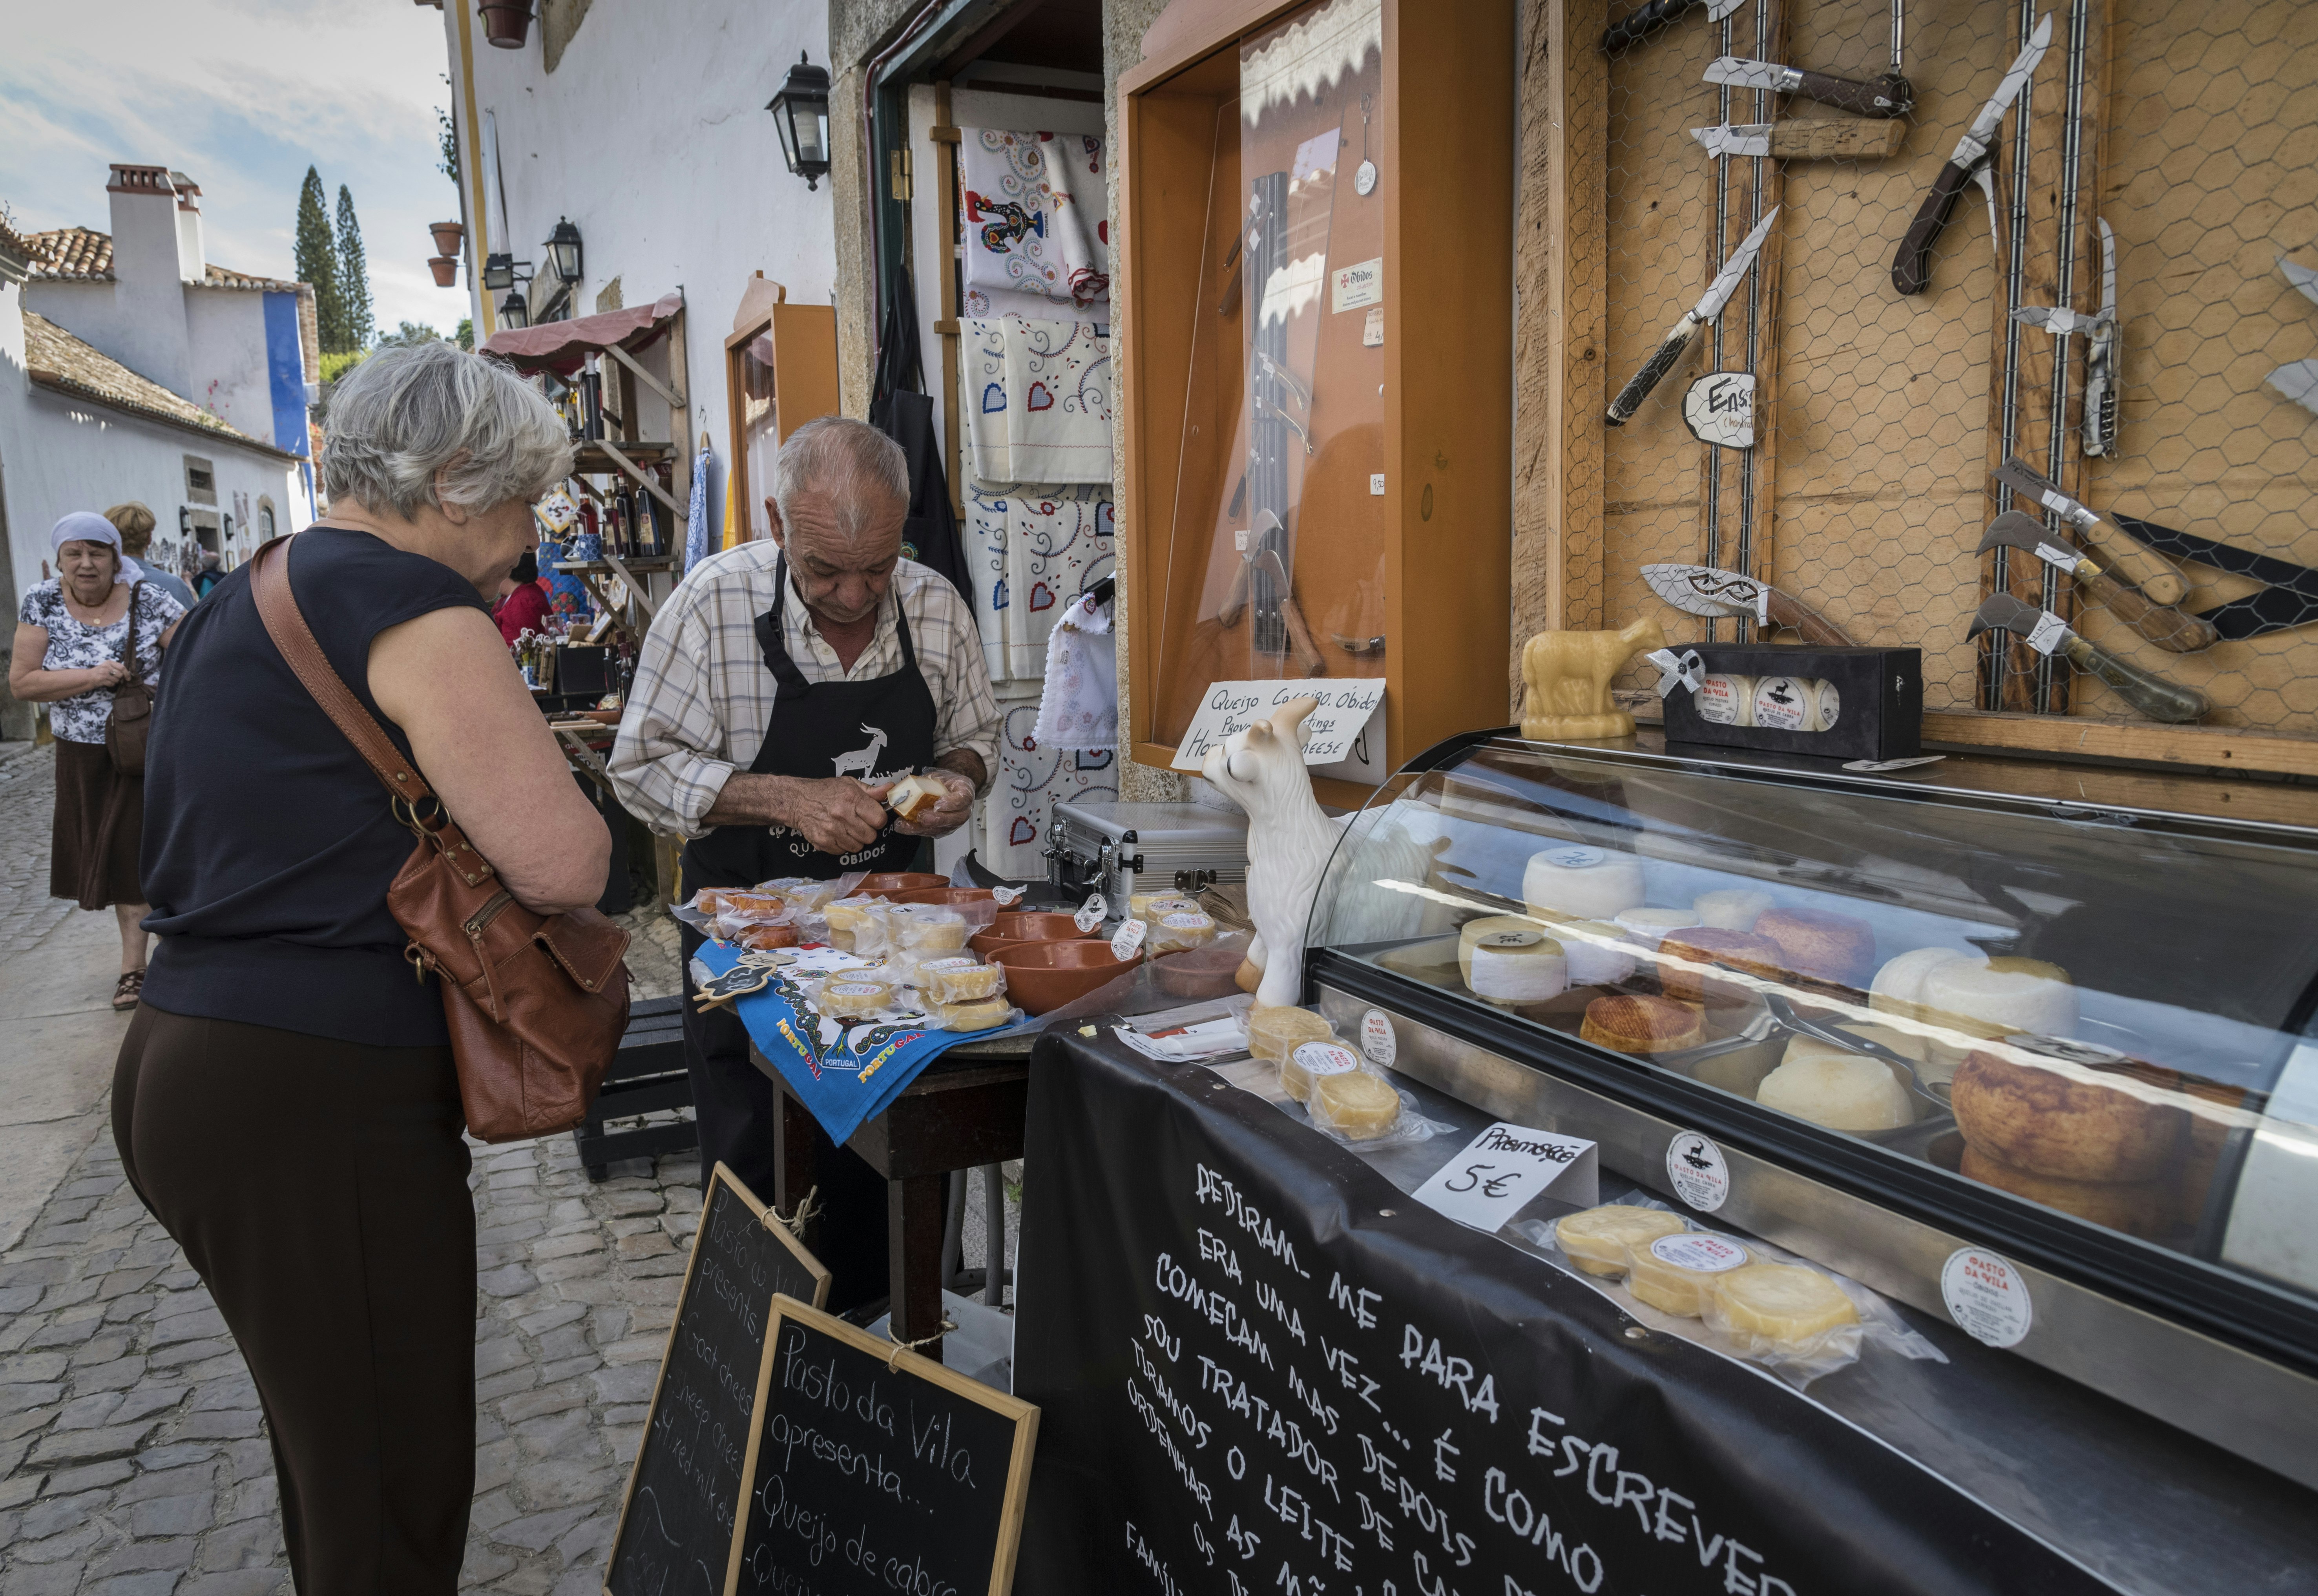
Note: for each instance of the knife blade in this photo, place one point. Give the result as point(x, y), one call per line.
point(2156, 579)
point(2302, 278)
point(2100, 357)
point(1804, 141)
point(2289, 596)
point(1716, 594)
point(1638, 25)
point(2048, 634)
point(1679, 335)
point(2162, 624)
point(1911, 269)
point(1889, 94)
point(2298, 380)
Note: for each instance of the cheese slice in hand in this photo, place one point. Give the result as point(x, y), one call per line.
point(912, 795)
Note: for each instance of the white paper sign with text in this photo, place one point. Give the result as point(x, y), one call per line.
point(1507, 1167)
point(1232, 707)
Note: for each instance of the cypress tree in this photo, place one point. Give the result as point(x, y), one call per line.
point(353, 272)
point(318, 265)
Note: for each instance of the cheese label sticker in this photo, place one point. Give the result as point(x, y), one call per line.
point(1008, 897)
point(1698, 1250)
point(1128, 938)
point(1327, 1058)
point(1717, 701)
point(1574, 859)
point(1353, 287)
point(1986, 1296)
point(1782, 704)
point(1379, 1040)
point(2049, 630)
point(1185, 920)
point(852, 990)
point(1830, 705)
point(1091, 913)
point(1695, 1170)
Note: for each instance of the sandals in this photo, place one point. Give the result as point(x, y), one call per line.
point(125, 991)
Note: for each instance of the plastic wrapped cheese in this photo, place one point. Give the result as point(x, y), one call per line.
point(1150, 906)
point(1180, 932)
point(1271, 1033)
point(848, 1000)
point(1518, 967)
point(848, 918)
point(983, 1013)
point(802, 894)
point(927, 928)
point(1781, 1307)
point(1355, 1105)
point(1677, 1274)
point(1309, 1061)
point(959, 979)
point(763, 938)
point(1601, 1240)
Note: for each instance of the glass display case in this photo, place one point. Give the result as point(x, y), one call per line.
point(1908, 1017)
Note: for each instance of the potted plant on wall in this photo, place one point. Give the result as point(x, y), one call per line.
point(447, 235)
point(507, 24)
point(446, 268)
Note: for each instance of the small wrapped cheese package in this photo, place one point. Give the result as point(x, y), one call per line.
point(1151, 907)
point(982, 1014)
point(850, 999)
point(848, 918)
point(1777, 1307)
point(802, 894)
point(763, 938)
point(926, 928)
point(1180, 932)
point(1309, 1061)
point(1355, 1105)
point(960, 979)
point(1273, 1033)
point(1602, 1241)
point(1677, 1274)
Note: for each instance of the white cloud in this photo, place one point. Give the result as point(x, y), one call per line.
point(242, 94)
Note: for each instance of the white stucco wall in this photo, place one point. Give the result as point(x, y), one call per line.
point(225, 329)
point(651, 136)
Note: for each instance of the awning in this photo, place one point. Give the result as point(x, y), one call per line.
point(559, 346)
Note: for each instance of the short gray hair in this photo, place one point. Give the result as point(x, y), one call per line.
point(410, 411)
point(840, 457)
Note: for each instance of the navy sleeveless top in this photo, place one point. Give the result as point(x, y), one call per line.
point(269, 844)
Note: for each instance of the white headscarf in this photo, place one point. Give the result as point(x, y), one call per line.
point(85, 525)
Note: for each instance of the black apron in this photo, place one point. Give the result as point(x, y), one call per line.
point(879, 729)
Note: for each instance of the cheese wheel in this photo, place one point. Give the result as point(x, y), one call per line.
point(1597, 953)
point(1844, 1091)
point(928, 928)
point(1898, 987)
point(1677, 1274)
point(1152, 906)
point(1781, 1305)
point(1826, 706)
point(2046, 1122)
point(1183, 929)
point(763, 937)
point(802, 894)
point(1782, 704)
point(1518, 967)
point(1473, 931)
point(961, 980)
point(1357, 1106)
point(1729, 908)
point(1821, 945)
point(1647, 927)
point(1725, 699)
point(982, 1013)
point(1600, 1240)
point(1272, 1031)
point(1994, 996)
point(1573, 882)
point(1312, 1060)
point(1640, 1024)
point(2136, 1207)
point(846, 999)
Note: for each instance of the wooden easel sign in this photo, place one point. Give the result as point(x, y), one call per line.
point(873, 1470)
point(677, 1519)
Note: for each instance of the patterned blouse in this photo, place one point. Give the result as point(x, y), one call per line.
point(74, 646)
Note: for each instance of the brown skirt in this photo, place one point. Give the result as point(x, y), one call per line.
point(100, 824)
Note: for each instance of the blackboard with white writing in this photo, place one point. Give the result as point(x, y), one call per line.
point(676, 1526)
point(871, 1469)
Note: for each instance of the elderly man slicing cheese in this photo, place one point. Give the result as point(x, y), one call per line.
point(783, 688)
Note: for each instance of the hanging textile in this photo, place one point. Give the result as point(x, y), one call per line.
point(1078, 707)
point(1035, 215)
point(982, 396)
point(1058, 543)
point(1031, 778)
point(696, 514)
point(1056, 398)
point(987, 505)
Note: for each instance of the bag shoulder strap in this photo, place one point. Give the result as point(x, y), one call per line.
point(128, 632)
point(285, 623)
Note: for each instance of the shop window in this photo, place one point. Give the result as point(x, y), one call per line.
point(264, 519)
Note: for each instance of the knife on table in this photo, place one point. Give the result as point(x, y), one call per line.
point(2047, 634)
point(2162, 624)
point(1679, 335)
point(1827, 140)
point(1718, 595)
point(2131, 562)
point(1889, 94)
point(2100, 356)
point(1911, 271)
point(1638, 25)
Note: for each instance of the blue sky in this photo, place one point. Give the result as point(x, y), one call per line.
point(242, 95)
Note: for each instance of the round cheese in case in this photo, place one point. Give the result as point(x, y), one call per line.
point(1357, 1106)
point(1727, 700)
point(850, 999)
point(1598, 951)
point(1272, 1032)
point(1601, 1240)
point(1180, 931)
point(1575, 882)
point(1153, 907)
point(1310, 1061)
point(1513, 967)
point(1677, 1274)
point(959, 979)
point(986, 1013)
point(1782, 1306)
point(927, 928)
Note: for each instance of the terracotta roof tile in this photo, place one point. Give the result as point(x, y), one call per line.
point(62, 364)
point(83, 254)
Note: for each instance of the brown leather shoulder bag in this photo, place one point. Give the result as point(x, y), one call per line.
point(132, 704)
point(536, 1003)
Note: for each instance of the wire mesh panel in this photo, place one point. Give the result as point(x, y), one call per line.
point(2107, 334)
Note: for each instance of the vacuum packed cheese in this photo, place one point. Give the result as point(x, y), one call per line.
point(1308, 1061)
point(1271, 1033)
point(846, 999)
point(982, 1013)
point(927, 928)
point(847, 918)
point(959, 979)
point(1781, 1305)
point(1182, 930)
point(1677, 1274)
point(1148, 906)
point(1601, 1240)
point(1355, 1105)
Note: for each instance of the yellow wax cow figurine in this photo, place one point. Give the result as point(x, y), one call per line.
point(1567, 675)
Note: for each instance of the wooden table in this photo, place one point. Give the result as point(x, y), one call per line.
point(967, 1109)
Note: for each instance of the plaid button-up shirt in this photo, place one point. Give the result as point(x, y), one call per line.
point(703, 695)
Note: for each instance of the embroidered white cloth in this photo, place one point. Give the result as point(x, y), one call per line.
point(1058, 543)
point(982, 394)
point(1032, 776)
point(1080, 706)
point(1057, 401)
point(1035, 216)
point(986, 508)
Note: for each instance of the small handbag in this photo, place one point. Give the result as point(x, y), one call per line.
point(131, 719)
point(536, 1003)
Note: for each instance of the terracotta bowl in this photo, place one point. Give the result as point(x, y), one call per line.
point(1200, 972)
point(949, 897)
point(1025, 925)
point(887, 883)
point(1043, 976)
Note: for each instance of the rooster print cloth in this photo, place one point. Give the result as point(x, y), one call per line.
point(1036, 217)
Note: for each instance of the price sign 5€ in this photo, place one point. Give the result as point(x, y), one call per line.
point(1504, 1169)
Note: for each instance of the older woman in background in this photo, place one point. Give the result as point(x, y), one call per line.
point(285, 1102)
point(76, 641)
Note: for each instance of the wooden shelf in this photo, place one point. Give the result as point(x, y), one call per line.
point(591, 458)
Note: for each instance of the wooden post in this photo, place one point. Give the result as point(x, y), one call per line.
point(946, 326)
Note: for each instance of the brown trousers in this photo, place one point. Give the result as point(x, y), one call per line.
point(320, 1187)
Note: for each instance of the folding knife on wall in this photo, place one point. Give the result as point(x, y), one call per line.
point(1703, 590)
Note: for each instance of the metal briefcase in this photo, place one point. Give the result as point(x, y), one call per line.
point(1122, 849)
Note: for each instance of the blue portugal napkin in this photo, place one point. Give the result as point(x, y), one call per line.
point(847, 1075)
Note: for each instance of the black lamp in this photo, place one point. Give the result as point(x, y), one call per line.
point(563, 250)
point(498, 271)
point(800, 109)
point(515, 310)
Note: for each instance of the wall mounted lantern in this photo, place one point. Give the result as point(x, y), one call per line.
point(800, 109)
point(563, 250)
point(504, 271)
point(515, 310)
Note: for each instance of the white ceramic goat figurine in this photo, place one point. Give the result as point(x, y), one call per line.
point(1288, 841)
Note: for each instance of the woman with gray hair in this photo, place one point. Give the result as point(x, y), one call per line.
point(285, 1101)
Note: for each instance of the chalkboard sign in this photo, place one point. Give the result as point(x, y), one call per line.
point(676, 1523)
point(872, 1469)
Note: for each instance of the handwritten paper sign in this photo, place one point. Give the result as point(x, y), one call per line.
point(1232, 707)
point(1507, 1167)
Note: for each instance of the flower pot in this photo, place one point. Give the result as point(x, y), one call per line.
point(446, 268)
point(447, 235)
point(507, 24)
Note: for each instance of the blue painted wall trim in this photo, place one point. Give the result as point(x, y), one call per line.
point(286, 371)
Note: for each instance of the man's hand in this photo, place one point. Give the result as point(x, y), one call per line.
point(949, 814)
point(837, 815)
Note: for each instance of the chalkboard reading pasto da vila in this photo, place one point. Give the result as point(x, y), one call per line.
point(676, 1526)
point(874, 1470)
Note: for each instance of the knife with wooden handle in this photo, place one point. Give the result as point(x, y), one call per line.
point(2150, 572)
point(1704, 591)
point(1635, 26)
point(2046, 633)
point(1669, 353)
point(1889, 94)
point(2162, 624)
point(1911, 271)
